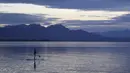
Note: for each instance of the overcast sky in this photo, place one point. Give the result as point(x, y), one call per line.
point(90, 15)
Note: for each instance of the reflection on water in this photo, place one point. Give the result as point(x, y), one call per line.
point(65, 59)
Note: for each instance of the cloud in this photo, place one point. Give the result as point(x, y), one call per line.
point(122, 19)
point(14, 18)
point(91, 15)
point(40, 2)
point(62, 14)
point(79, 4)
point(19, 13)
point(119, 23)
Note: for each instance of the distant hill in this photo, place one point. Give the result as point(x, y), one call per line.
point(35, 32)
point(117, 33)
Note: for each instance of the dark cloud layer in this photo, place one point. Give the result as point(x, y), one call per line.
point(49, 2)
point(124, 18)
point(12, 18)
point(79, 4)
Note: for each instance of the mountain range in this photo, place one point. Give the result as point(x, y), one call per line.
point(117, 33)
point(36, 32)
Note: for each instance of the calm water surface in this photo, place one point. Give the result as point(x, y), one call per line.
point(65, 57)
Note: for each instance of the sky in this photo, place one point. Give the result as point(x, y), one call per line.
point(89, 15)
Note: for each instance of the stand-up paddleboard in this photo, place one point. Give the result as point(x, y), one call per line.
point(34, 59)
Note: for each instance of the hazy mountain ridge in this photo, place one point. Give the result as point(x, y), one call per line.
point(117, 33)
point(57, 32)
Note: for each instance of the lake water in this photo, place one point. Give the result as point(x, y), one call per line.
point(65, 57)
